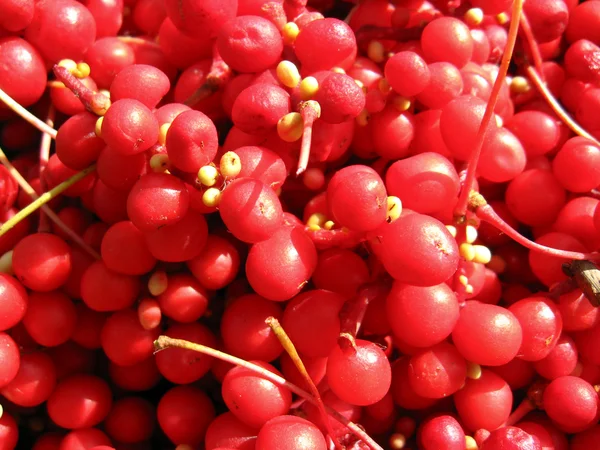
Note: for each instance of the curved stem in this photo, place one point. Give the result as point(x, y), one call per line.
point(534, 49)
point(44, 156)
point(22, 182)
point(521, 411)
point(132, 40)
point(26, 115)
point(556, 106)
point(461, 206)
point(219, 74)
point(290, 349)
point(487, 214)
point(43, 199)
point(164, 342)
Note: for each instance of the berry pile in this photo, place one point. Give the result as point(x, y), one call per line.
point(292, 225)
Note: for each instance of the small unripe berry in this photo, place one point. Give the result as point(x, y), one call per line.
point(211, 197)
point(208, 175)
point(230, 165)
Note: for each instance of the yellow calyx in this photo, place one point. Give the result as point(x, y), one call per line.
point(162, 133)
point(288, 74)
point(208, 175)
point(473, 370)
point(230, 165)
point(502, 18)
point(6, 263)
point(309, 86)
point(159, 162)
point(289, 127)
point(98, 126)
point(211, 197)
point(318, 219)
point(158, 282)
point(452, 230)
point(401, 103)
point(467, 251)
point(394, 208)
point(519, 85)
point(471, 234)
point(376, 51)
point(482, 255)
point(290, 32)
point(470, 443)
point(363, 118)
point(473, 17)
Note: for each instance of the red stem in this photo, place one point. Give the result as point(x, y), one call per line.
point(93, 101)
point(534, 49)
point(309, 114)
point(556, 106)
point(487, 214)
point(368, 33)
point(44, 225)
point(338, 238)
point(461, 207)
point(218, 75)
point(353, 311)
point(522, 410)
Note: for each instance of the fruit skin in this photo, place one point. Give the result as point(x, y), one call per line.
point(21, 62)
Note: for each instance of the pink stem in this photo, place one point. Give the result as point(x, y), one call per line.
point(93, 101)
point(165, 342)
point(339, 238)
point(487, 214)
point(220, 73)
point(556, 106)
point(309, 115)
point(463, 199)
point(534, 49)
point(44, 225)
point(26, 115)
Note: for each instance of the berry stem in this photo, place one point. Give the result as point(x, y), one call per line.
point(165, 342)
point(461, 207)
point(537, 81)
point(51, 214)
point(521, 411)
point(339, 238)
point(368, 33)
point(45, 144)
point(486, 213)
point(310, 111)
point(534, 49)
point(93, 101)
point(290, 349)
point(26, 115)
point(44, 198)
point(217, 77)
point(132, 40)
point(353, 311)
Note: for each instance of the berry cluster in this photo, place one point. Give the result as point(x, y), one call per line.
point(299, 225)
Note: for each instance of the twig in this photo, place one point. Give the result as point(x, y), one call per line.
point(51, 214)
point(461, 206)
point(43, 199)
point(44, 156)
point(165, 342)
point(26, 115)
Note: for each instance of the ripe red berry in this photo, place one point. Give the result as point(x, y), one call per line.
point(13, 302)
point(184, 414)
point(42, 262)
point(287, 431)
point(80, 401)
point(360, 374)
